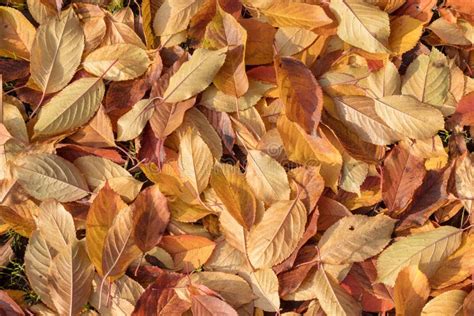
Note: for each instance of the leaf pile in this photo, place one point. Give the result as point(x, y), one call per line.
point(237, 157)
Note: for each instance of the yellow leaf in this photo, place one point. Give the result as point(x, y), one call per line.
point(411, 291)
point(447, 303)
point(105, 207)
point(405, 32)
point(189, 252)
point(456, 267)
point(235, 193)
point(303, 15)
point(311, 150)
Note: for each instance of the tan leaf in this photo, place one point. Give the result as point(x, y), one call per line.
point(206, 305)
point(98, 170)
point(131, 124)
point(124, 294)
point(56, 52)
point(117, 62)
point(358, 114)
point(174, 16)
point(464, 177)
point(355, 238)
point(266, 177)
point(427, 78)
point(447, 303)
point(194, 75)
point(427, 250)
point(292, 40)
point(264, 284)
point(260, 37)
point(384, 82)
point(17, 34)
point(334, 300)
point(41, 12)
point(71, 108)
point(71, 279)
point(119, 247)
point(411, 291)
point(451, 33)
point(120, 33)
point(354, 173)
point(219, 101)
point(46, 176)
point(403, 173)
point(195, 160)
point(227, 285)
point(167, 117)
point(97, 133)
point(38, 258)
point(196, 120)
point(275, 237)
point(56, 225)
point(362, 25)
point(409, 117)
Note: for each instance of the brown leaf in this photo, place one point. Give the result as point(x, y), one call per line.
point(151, 217)
point(402, 174)
point(300, 92)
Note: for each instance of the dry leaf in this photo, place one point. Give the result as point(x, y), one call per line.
point(117, 62)
point(411, 291)
point(426, 250)
point(56, 52)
